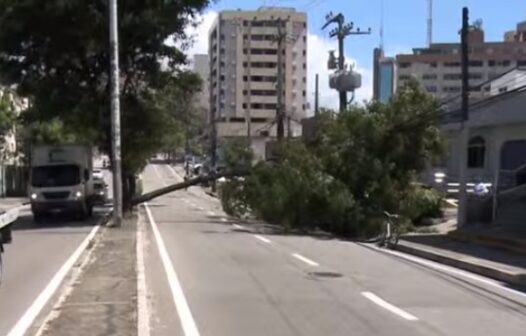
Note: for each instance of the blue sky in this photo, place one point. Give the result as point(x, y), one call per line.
point(404, 24)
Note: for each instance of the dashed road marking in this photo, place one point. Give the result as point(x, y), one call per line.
point(305, 260)
point(386, 305)
point(239, 227)
point(263, 239)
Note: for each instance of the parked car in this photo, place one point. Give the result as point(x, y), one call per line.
point(97, 174)
point(100, 189)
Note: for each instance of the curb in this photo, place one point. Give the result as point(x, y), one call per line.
point(513, 245)
point(501, 275)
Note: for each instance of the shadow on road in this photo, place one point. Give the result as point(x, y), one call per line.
point(25, 221)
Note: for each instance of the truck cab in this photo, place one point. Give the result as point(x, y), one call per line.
point(61, 180)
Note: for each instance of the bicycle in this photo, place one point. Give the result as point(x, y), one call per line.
point(391, 234)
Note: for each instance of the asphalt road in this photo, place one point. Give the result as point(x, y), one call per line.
point(37, 254)
point(208, 275)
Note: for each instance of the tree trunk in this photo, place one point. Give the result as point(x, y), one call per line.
point(128, 190)
point(195, 181)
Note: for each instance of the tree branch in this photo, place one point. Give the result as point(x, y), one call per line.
point(198, 180)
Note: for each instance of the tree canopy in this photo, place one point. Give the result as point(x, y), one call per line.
point(57, 53)
point(363, 161)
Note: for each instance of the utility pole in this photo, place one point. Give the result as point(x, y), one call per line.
point(316, 96)
point(280, 39)
point(115, 115)
point(343, 30)
point(464, 131)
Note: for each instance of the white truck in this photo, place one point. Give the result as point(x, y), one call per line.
point(61, 180)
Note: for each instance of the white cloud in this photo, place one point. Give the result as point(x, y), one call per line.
point(317, 54)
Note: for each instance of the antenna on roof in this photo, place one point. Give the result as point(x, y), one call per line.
point(429, 22)
point(382, 25)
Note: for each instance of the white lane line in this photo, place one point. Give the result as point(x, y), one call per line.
point(305, 260)
point(175, 173)
point(211, 213)
point(224, 219)
point(451, 270)
point(239, 227)
point(181, 305)
point(201, 208)
point(386, 305)
point(263, 239)
point(32, 312)
point(143, 314)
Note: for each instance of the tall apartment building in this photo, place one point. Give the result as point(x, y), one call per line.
point(244, 67)
point(438, 67)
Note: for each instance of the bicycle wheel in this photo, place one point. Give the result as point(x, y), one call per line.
point(393, 239)
point(382, 239)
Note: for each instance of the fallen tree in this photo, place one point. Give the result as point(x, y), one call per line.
point(183, 185)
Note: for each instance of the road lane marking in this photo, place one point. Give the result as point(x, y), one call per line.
point(263, 239)
point(386, 305)
point(42, 299)
point(239, 227)
point(211, 213)
point(176, 174)
point(201, 208)
point(224, 219)
point(305, 260)
point(143, 314)
point(450, 270)
point(181, 304)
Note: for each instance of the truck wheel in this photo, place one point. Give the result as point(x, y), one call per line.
point(37, 217)
point(90, 210)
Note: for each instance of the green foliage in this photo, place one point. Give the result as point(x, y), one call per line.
point(57, 53)
point(363, 162)
point(7, 115)
point(422, 202)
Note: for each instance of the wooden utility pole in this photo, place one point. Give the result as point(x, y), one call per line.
point(115, 115)
point(280, 39)
point(464, 132)
point(316, 96)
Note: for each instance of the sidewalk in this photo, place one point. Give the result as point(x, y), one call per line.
point(102, 300)
point(488, 261)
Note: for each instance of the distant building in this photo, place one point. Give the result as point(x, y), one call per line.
point(383, 76)
point(509, 81)
point(243, 72)
point(201, 65)
point(438, 66)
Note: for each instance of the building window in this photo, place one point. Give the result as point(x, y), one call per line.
point(244, 105)
point(404, 65)
point(491, 63)
point(455, 76)
point(521, 63)
point(245, 92)
point(476, 152)
point(304, 93)
point(429, 77)
point(503, 89)
point(431, 89)
point(403, 77)
point(451, 64)
point(452, 89)
point(506, 63)
point(475, 63)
